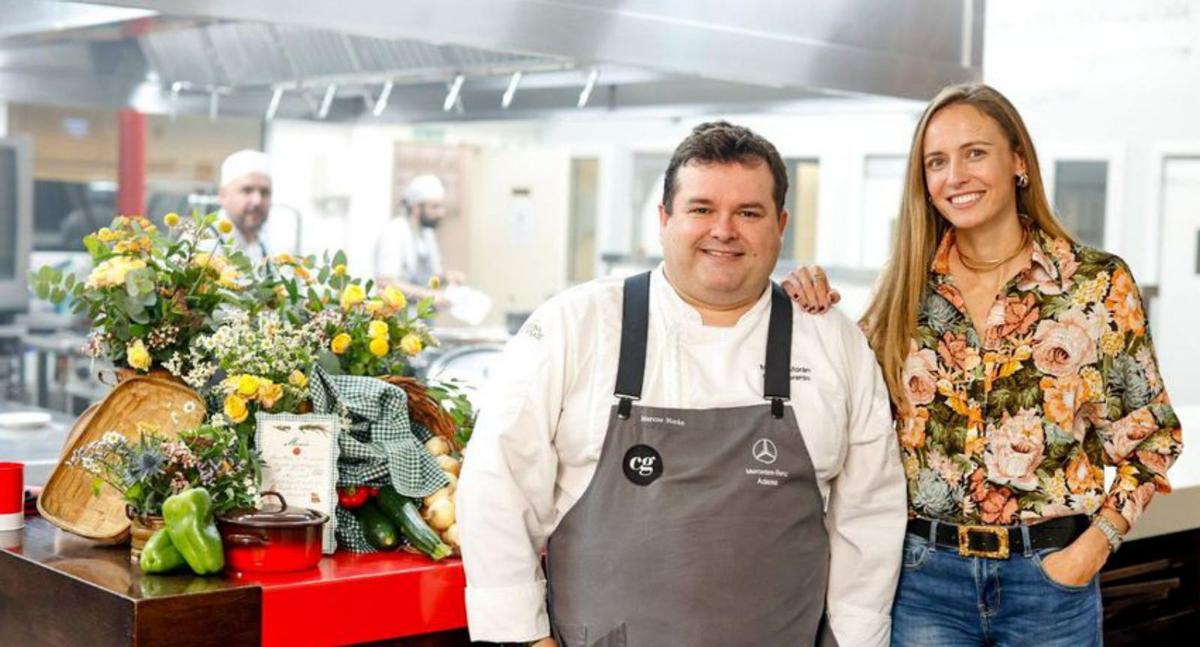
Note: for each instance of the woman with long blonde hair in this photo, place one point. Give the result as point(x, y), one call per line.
point(1019, 363)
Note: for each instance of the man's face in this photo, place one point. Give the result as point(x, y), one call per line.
point(247, 200)
point(429, 213)
point(723, 234)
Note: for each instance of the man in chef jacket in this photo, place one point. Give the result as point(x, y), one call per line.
point(700, 462)
point(245, 196)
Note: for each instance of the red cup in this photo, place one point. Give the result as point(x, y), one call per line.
point(12, 496)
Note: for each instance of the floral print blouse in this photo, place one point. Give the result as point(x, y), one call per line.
point(1015, 427)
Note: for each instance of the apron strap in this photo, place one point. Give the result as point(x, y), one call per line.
point(635, 322)
point(777, 383)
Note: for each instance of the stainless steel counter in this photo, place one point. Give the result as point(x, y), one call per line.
point(38, 447)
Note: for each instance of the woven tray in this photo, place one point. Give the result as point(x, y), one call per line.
point(67, 500)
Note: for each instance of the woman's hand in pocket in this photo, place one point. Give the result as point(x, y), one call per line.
point(1079, 562)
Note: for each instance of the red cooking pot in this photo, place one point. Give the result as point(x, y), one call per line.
point(271, 540)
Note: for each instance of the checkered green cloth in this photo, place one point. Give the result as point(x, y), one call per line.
point(380, 445)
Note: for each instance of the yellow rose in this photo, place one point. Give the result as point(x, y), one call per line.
point(229, 278)
point(352, 296)
point(269, 394)
point(235, 408)
point(298, 379)
point(411, 344)
point(374, 306)
point(377, 329)
point(340, 343)
point(224, 226)
point(171, 219)
point(137, 355)
point(394, 297)
point(339, 269)
point(378, 346)
point(247, 386)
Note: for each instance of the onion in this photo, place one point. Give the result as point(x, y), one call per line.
point(450, 536)
point(437, 446)
point(448, 464)
point(441, 514)
point(444, 493)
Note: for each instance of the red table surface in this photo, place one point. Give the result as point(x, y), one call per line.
point(353, 597)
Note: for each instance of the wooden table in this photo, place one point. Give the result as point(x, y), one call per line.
point(58, 589)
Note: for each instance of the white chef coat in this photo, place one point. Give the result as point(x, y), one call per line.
point(410, 257)
point(544, 416)
point(255, 251)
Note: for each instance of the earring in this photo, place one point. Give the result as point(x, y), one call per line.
point(1023, 180)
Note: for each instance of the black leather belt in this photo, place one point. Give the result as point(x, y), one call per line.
point(998, 542)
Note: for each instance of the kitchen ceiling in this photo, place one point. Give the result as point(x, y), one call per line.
point(332, 59)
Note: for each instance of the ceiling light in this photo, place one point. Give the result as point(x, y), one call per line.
point(382, 101)
point(506, 100)
point(327, 101)
point(452, 95)
point(587, 88)
point(273, 106)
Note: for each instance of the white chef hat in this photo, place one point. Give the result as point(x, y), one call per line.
point(424, 188)
point(244, 162)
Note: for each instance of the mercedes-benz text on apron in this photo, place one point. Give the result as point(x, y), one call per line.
point(701, 526)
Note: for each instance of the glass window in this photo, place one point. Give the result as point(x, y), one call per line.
point(1080, 189)
point(581, 230)
point(883, 187)
point(800, 237)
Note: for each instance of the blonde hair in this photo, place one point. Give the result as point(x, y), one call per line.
point(891, 319)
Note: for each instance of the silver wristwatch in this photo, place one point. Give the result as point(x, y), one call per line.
point(1110, 532)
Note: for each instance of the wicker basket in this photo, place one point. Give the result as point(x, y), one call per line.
point(426, 411)
point(157, 399)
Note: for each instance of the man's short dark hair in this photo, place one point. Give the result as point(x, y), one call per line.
point(721, 142)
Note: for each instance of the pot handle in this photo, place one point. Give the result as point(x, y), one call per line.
point(282, 501)
point(246, 540)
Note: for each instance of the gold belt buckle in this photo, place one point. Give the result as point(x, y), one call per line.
point(964, 542)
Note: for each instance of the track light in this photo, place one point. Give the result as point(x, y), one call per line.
point(452, 95)
point(587, 88)
point(506, 100)
point(327, 101)
point(273, 106)
point(382, 101)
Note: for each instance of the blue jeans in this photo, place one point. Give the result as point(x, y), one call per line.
point(947, 600)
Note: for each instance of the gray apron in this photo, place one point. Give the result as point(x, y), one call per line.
point(700, 526)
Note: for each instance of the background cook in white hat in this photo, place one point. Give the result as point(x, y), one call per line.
point(245, 196)
point(408, 254)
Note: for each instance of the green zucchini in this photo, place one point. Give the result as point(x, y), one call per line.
point(380, 532)
point(407, 516)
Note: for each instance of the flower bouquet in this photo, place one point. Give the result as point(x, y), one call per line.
point(150, 294)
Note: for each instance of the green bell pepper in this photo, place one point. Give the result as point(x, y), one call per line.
point(189, 520)
point(159, 555)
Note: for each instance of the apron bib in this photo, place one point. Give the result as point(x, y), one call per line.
point(700, 526)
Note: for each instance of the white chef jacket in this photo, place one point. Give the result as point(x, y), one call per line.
point(544, 417)
point(412, 257)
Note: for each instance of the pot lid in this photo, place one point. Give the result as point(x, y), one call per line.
point(276, 516)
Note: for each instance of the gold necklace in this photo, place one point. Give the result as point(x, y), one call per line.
point(976, 265)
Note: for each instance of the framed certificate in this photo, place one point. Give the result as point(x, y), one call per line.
point(301, 452)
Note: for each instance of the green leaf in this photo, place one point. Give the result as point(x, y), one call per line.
point(339, 258)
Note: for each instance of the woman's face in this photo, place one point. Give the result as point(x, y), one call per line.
point(970, 169)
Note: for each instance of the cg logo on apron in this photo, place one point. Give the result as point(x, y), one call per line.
point(643, 465)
